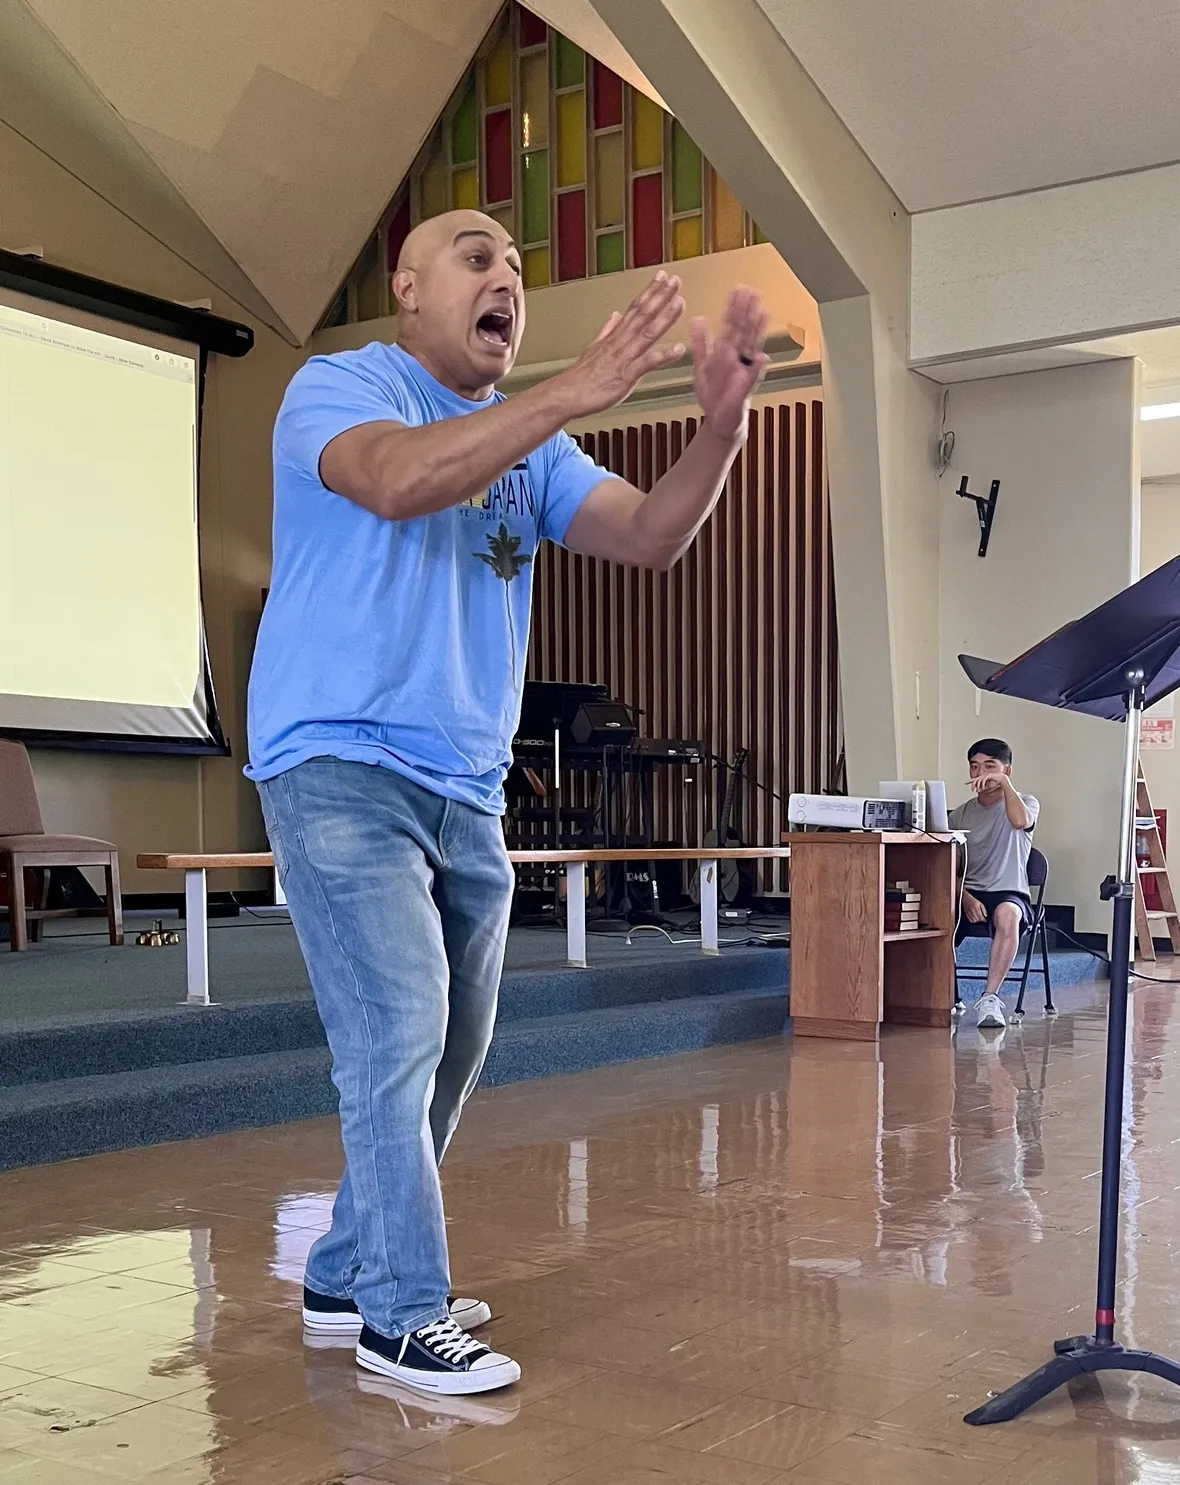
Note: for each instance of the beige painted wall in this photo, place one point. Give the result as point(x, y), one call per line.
point(1064, 446)
point(1159, 543)
point(152, 803)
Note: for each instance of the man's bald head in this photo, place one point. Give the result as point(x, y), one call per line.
point(460, 301)
point(437, 234)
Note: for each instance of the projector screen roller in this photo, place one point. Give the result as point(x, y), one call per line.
point(101, 633)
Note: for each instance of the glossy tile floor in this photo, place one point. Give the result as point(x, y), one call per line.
point(792, 1261)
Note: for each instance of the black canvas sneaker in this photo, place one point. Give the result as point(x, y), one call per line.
point(438, 1358)
point(328, 1316)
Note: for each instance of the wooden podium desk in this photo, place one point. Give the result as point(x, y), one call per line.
point(847, 974)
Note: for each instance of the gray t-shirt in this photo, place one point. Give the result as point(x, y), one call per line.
point(997, 853)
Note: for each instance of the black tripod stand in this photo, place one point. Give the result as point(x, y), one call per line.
point(1100, 1352)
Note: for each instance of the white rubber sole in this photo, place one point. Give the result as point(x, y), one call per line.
point(466, 1316)
point(320, 1324)
point(491, 1409)
point(448, 1384)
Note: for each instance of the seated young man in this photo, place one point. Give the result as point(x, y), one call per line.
point(999, 822)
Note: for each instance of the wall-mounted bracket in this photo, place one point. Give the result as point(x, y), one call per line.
point(985, 508)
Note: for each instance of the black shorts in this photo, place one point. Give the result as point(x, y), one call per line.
point(991, 901)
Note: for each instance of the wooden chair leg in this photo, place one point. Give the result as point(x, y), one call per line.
point(17, 923)
point(37, 926)
point(114, 901)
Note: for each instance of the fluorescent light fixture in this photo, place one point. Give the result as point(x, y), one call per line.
point(1160, 410)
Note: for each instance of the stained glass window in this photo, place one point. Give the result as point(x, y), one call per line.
point(587, 173)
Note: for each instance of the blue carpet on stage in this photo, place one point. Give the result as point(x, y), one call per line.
point(96, 1053)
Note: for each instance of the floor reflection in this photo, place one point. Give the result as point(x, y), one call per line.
point(796, 1260)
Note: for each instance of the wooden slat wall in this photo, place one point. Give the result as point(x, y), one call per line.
point(737, 645)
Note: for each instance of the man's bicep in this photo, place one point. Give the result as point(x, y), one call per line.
point(350, 463)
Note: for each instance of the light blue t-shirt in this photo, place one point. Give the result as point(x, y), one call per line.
point(399, 643)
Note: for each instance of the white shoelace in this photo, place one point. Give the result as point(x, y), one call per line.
point(447, 1340)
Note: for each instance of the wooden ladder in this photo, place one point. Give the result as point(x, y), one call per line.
point(1157, 867)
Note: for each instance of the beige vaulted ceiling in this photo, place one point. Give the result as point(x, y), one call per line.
point(259, 139)
point(954, 100)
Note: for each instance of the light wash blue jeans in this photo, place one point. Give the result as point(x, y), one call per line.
point(400, 899)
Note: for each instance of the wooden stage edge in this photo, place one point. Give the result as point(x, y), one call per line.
point(854, 1031)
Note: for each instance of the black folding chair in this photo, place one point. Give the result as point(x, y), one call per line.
point(1034, 937)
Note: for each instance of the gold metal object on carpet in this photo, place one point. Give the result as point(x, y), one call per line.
point(157, 937)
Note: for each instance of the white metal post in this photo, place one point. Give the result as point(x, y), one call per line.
point(575, 913)
point(280, 895)
point(196, 937)
point(709, 944)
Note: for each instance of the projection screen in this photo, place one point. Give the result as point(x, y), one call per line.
point(101, 631)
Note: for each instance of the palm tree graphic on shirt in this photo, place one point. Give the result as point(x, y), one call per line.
point(505, 559)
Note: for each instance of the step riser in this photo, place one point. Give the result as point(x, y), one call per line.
point(127, 1044)
point(65, 1131)
point(529, 1053)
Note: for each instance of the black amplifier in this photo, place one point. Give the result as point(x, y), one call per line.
point(672, 749)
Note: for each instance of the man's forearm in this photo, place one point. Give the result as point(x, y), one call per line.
point(400, 472)
point(679, 504)
point(1015, 807)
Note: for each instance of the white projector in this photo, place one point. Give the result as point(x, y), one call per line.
point(848, 812)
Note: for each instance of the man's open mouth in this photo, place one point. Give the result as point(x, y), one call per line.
point(495, 327)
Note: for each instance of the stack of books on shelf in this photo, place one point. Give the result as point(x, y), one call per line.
point(903, 907)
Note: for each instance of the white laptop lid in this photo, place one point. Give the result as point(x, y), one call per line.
point(936, 811)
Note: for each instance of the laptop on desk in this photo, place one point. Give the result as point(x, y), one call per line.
point(937, 819)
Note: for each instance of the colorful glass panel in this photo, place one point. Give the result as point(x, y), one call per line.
point(465, 189)
point(647, 220)
point(688, 237)
point(463, 129)
point(571, 235)
point(497, 72)
point(569, 63)
point(610, 180)
point(608, 97)
point(729, 219)
point(688, 171)
point(534, 184)
point(647, 133)
point(535, 267)
point(398, 231)
point(611, 253)
point(497, 155)
point(432, 199)
point(534, 101)
point(571, 138)
point(533, 30)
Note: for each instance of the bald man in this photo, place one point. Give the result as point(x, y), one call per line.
point(410, 499)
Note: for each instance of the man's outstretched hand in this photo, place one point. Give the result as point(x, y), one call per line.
point(726, 371)
point(626, 350)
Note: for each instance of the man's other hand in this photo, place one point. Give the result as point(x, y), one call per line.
point(973, 910)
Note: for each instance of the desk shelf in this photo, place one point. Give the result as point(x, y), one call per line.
point(847, 976)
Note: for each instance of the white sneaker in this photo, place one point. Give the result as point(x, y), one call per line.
point(990, 1014)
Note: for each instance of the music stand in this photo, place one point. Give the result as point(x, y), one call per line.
point(1119, 658)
